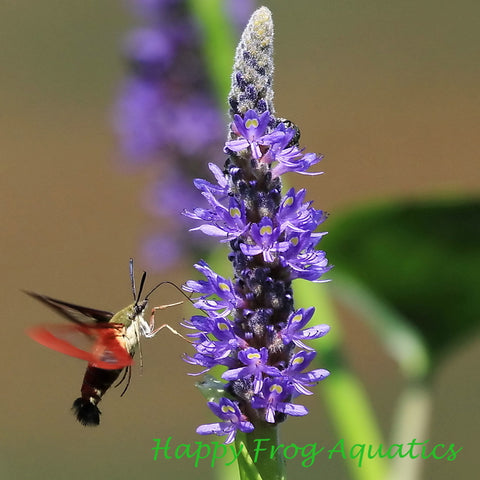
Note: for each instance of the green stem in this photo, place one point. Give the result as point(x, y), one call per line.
point(257, 461)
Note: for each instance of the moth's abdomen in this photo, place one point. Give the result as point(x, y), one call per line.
point(95, 383)
point(86, 411)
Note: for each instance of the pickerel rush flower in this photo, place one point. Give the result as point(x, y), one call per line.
point(167, 115)
point(250, 324)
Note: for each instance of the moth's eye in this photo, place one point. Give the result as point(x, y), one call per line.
point(138, 309)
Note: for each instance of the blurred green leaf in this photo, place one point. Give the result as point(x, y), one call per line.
point(413, 268)
point(346, 400)
point(218, 44)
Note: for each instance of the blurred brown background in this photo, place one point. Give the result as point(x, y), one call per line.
point(388, 91)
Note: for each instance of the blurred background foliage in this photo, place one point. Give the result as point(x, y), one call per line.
point(387, 91)
point(421, 259)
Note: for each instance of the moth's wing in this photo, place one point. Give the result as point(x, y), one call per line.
point(72, 312)
point(109, 351)
point(100, 345)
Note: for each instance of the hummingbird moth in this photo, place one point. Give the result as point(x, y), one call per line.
point(106, 340)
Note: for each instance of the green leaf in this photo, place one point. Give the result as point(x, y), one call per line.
point(412, 267)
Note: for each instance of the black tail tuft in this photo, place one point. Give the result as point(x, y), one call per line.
point(86, 412)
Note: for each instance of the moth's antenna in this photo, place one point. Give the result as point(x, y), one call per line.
point(178, 288)
point(169, 283)
point(142, 283)
point(132, 279)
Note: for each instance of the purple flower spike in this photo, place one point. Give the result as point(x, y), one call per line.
point(221, 221)
point(226, 297)
point(250, 129)
point(272, 399)
point(220, 190)
point(297, 216)
point(256, 366)
point(234, 420)
point(295, 162)
point(265, 238)
point(249, 323)
point(293, 331)
point(298, 379)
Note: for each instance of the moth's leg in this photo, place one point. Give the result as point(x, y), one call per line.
point(152, 316)
point(154, 331)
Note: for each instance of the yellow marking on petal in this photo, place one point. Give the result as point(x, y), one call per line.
point(223, 326)
point(224, 287)
point(294, 241)
point(297, 318)
point(276, 388)
point(298, 361)
point(266, 230)
point(252, 356)
point(252, 122)
point(288, 202)
point(227, 409)
point(235, 212)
